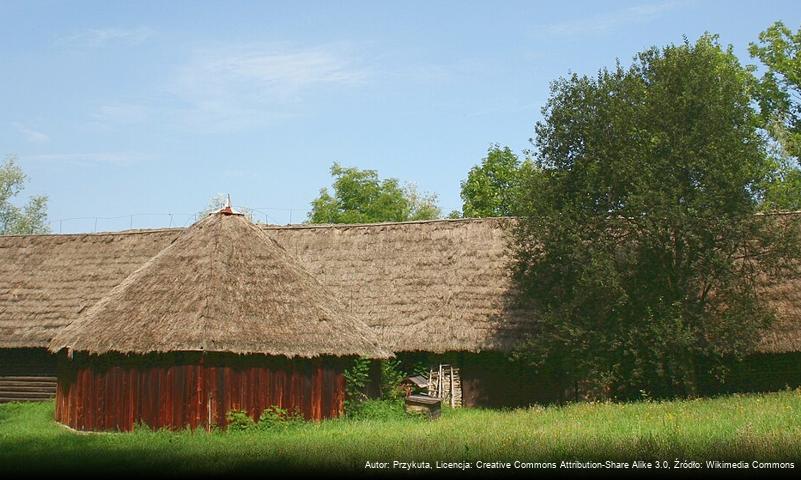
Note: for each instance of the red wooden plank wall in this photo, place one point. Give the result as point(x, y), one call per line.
point(102, 397)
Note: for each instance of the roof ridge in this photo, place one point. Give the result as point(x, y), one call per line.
point(289, 226)
point(382, 224)
point(139, 231)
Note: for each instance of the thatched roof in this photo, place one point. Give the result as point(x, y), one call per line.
point(46, 281)
point(785, 334)
point(433, 286)
point(430, 286)
point(223, 285)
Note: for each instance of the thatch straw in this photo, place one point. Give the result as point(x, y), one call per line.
point(434, 286)
point(785, 334)
point(222, 286)
point(46, 281)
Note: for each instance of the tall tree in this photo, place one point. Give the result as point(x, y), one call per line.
point(779, 97)
point(779, 93)
point(360, 196)
point(492, 189)
point(28, 219)
point(782, 191)
point(640, 248)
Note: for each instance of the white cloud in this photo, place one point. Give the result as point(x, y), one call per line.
point(266, 71)
point(609, 21)
point(31, 135)
point(91, 159)
point(240, 85)
point(98, 37)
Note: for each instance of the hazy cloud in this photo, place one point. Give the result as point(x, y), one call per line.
point(237, 85)
point(97, 37)
point(262, 71)
point(31, 135)
point(609, 21)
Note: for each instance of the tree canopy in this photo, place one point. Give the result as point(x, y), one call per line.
point(28, 219)
point(783, 190)
point(638, 244)
point(779, 96)
point(360, 196)
point(492, 189)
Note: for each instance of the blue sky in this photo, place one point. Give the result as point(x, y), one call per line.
point(136, 108)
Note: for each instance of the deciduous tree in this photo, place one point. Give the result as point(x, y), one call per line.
point(27, 219)
point(779, 97)
point(492, 188)
point(779, 93)
point(360, 196)
point(639, 245)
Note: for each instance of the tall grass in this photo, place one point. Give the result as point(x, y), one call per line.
point(740, 427)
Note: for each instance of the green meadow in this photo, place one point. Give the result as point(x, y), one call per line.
point(764, 427)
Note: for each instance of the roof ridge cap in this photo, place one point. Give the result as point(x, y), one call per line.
point(300, 226)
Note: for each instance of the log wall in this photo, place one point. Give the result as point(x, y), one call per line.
point(27, 374)
point(192, 390)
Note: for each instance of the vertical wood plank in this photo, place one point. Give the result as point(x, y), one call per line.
point(317, 392)
point(93, 397)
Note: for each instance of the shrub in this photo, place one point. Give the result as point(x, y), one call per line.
point(277, 418)
point(239, 420)
point(142, 427)
point(356, 378)
point(420, 368)
point(391, 378)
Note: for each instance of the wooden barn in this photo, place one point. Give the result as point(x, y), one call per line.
point(221, 319)
point(437, 292)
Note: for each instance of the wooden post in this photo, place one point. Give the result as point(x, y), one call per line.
point(208, 407)
point(431, 381)
point(440, 386)
point(451, 391)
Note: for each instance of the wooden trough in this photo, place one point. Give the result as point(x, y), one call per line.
point(429, 406)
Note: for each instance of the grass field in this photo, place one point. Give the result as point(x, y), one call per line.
point(747, 427)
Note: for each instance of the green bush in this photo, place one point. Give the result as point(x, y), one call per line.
point(277, 418)
point(420, 368)
point(239, 420)
point(141, 427)
point(356, 378)
point(391, 378)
